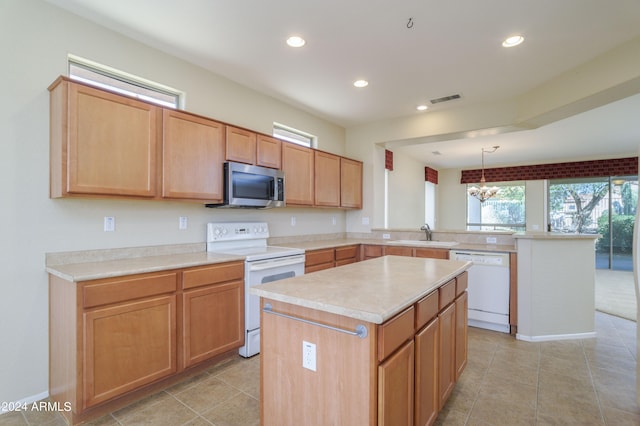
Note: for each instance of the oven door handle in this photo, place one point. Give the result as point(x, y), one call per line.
point(262, 265)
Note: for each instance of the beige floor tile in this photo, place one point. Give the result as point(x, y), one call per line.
point(244, 376)
point(557, 408)
point(508, 391)
point(13, 418)
point(142, 405)
point(170, 412)
point(576, 367)
point(620, 418)
point(514, 372)
point(552, 383)
point(451, 417)
point(206, 394)
point(241, 410)
point(495, 411)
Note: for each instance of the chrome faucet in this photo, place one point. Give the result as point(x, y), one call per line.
point(427, 230)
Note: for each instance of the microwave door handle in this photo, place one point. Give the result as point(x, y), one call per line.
point(272, 189)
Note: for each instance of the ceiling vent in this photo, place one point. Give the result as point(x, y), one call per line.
point(445, 99)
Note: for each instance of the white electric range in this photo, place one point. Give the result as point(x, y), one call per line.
point(263, 264)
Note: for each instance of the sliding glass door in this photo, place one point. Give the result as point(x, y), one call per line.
point(605, 206)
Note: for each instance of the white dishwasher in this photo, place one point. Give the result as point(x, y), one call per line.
point(488, 288)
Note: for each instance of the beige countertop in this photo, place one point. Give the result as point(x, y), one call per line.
point(373, 290)
point(340, 242)
point(85, 271)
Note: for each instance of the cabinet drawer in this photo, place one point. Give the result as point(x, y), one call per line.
point(447, 293)
point(432, 253)
point(399, 251)
point(395, 332)
point(317, 267)
point(372, 251)
point(113, 290)
point(461, 283)
point(317, 257)
point(426, 309)
point(224, 272)
point(346, 252)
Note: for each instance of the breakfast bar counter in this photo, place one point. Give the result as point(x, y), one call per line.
point(381, 341)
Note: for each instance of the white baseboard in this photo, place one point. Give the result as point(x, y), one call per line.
point(25, 402)
point(551, 337)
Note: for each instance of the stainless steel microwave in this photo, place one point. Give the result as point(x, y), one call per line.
point(252, 187)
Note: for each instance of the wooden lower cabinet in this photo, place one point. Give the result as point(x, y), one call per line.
point(395, 387)
point(462, 310)
point(346, 255)
point(370, 251)
point(126, 346)
point(447, 348)
point(114, 340)
point(213, 321)
point(317, 260)
point(426, 374)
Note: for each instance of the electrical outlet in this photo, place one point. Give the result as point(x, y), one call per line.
point(333, 220)
point(365, 220)
point(386, 236)
point(492, 240)
point(109, 224)
point(309, 355)
point(182, 222)
point(293, 221)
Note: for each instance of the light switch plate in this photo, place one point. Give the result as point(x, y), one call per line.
point(109, 224)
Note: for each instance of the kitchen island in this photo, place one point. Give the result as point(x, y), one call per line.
point(376, 342)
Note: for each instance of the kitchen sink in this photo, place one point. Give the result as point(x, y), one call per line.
point(423, 243)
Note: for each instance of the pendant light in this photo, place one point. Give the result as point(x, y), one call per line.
point(484, 192)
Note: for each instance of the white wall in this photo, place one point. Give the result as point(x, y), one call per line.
point(406, 193)
point(35, 39)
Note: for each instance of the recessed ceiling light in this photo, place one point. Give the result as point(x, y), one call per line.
point(421, 107)
point(361, 83)
point(296, 41)
point(513, 41)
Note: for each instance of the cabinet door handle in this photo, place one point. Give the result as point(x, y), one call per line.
point(361, 330)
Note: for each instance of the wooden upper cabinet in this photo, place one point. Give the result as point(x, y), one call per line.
point(102, 143)
point(297, 164)
point(350, 183)
point(193, 155)
point(240, 145)
point(327, 179)
point(269, 152)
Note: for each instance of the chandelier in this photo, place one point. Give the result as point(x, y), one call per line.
point(484, 192)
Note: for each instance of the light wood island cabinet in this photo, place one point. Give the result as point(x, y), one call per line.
point(113, 340)
point(102, 144)
point(401, 372)
point(192, 157)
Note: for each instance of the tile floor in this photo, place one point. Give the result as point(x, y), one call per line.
point(506, 382)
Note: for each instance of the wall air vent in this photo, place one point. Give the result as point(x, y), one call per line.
point(445, 99)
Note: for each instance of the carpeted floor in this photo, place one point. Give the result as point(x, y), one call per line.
point(615, 293)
